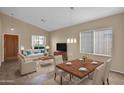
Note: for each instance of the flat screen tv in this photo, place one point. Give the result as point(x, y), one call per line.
point(61, 47)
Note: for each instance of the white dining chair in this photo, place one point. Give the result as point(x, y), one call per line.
point(107, 65)
point(96, 79)
point(98, 75)
point(58, 60)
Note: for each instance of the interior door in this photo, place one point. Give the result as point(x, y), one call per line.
point(10, 47)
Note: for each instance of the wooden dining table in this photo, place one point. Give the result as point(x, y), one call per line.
point(73, 69)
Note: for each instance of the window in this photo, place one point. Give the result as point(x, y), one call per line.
point(38, 41)
point(96, 42)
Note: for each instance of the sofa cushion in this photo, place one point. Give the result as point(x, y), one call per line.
point(27, 52)
point(35, 51)
point(24, 53)
point(42, 50)
point(35, 55)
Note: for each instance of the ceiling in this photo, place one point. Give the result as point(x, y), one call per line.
point(53, 18)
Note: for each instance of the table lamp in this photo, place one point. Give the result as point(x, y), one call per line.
point(22, 49)
point(47, 48)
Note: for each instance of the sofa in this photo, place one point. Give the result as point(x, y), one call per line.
point(28, 64)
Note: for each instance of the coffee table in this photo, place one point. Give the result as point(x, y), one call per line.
point(45, 60)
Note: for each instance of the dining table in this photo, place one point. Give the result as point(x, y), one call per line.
point(74, 67)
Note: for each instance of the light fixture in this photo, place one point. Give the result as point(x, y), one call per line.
point(12, 25)
point(75, 41)
point(47, 47)
point(68, 40)
point(43, 20)
point(71, 15)
point(71, 40)
point(12, 29)
point(22, 49)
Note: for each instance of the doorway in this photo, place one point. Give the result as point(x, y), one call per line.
point(10, 47)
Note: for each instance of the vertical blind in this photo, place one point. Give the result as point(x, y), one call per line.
point(96, 41)
point(87, 41)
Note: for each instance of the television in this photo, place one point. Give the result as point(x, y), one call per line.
point(61, 47)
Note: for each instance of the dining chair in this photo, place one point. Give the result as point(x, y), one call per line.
point(96, 79)
point(98, 75)
point(107, 65)
point(58, 60)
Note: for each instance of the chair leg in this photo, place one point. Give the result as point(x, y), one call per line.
point(70, 76)
point(108, 81)
point(90, 77)
point(103, 83)
point(55, 77)
point(61, 80)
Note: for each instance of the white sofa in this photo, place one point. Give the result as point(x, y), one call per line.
point(27, 63)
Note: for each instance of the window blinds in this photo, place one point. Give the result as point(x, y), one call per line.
point(96, 41)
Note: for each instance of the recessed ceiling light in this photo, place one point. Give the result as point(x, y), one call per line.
point(12, 29)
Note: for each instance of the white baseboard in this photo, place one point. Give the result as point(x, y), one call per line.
point(117, 71)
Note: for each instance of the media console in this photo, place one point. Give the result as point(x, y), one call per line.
point(64, 54)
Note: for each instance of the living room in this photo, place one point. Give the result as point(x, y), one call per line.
point(49, 30)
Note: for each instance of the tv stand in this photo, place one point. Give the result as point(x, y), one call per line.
point(64, 54)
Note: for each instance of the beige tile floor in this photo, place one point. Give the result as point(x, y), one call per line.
point(9, 74)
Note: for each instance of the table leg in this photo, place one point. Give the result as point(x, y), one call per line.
point(70, 76)
point(55, 77)
point(61, 80)
point(108, 81)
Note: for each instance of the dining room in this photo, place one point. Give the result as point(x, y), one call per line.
point(81, 71)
